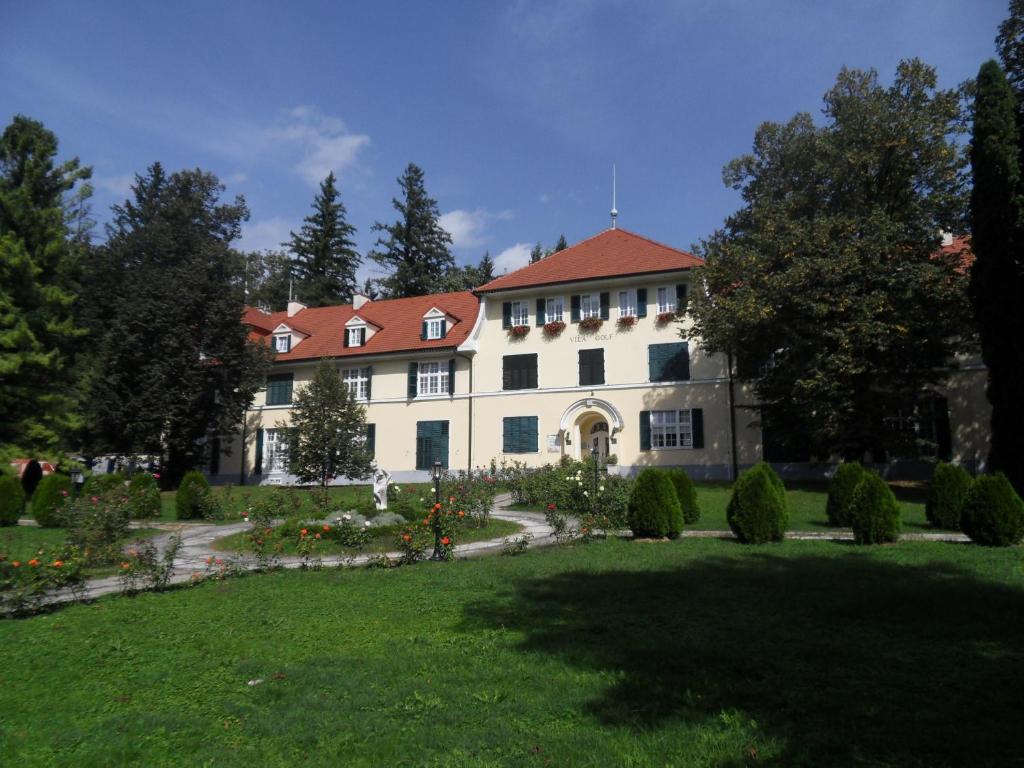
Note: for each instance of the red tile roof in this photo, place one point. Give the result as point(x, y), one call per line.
point(613, 253)
point(960, 249)
point(399, 321)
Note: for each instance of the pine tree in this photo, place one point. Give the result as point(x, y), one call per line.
point(170, 364)
point(561, 245)
point(43, 224)
point(485, 269)
point(536, 253)
point(997, 275)
point(325, 259)
point(415, 248)
point(268, 276)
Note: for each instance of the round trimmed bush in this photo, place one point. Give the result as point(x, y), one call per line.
point(840, 493)
point(654, 509)
point(993, 513)
point(192, 492)
point(874, 512)
point(144, 496)
point(687, 494)
point(97, 485)
point(757, 511)
point(48, 500)
point(946, 497)
point(12, 500)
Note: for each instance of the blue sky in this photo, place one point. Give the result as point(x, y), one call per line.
point(515, 110)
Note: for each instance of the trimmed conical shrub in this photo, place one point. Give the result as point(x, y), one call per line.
point(757, 511)
point(12, 500)
point(191, 495)
point(993, 513)
point(687, 494)
point(874, 512)
point(654, 509)
point(840, 493)
point(946, 497)
point(48, 500)
point(144, 496)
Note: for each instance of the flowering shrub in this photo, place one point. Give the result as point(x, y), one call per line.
point(412, 543)
point(261, 514)
point(347, 533)
point(25, 583)
point(664, 318)
point(518, 331)
point(554, 328)
point(591, 323)
point(475, 491)
point(627, 321)
point(570, 488)
point(145, 496)
point(512, 546)
point(144, 567)
point(97, 485)
point(96, 524)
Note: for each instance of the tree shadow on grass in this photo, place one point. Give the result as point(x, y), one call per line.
point(844, 660)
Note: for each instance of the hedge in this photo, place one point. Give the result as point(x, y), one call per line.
point(97, 485)
point(12, 500)
point(48, 500)
point(840, 493)
point(946, 497)
point(993, 513)
point(874, 513)
point(654, 509)
point(757, 511)
point(191, 496)
point(144, 494)
point(687, 494)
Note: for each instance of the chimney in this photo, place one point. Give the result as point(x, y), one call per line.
point(359, 299)
point(947, 238)
point(294, 307)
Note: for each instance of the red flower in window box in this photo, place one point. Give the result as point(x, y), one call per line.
point(591, 323)
point(518, 331)
point(665, 317)
point(626, 321)
point(554, 328)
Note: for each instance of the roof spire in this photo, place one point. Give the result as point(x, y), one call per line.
point(615, 211)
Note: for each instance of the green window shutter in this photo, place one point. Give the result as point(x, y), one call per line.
point(414, 370)
point(519, 434)
point(653, 362)
point(531, 436)
point(519, 371)
point(279, 389)
point(584, 367)
point(509, 436)
point(369, 382)
point(669, 362)
point(344, 337)
point(451, 376)
point(541, 309)
point(371, 438)
point(697, 425)
point(258, 463)
point(574, 303)
point(645, 430)
point(506, 315)
point(591, 366)
point(641, 302)
point(605, 303)
point(681, 298)
point(444, 327)
point(362, 337)
point(423, 331)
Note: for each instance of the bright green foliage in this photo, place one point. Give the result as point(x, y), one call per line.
point(993, 512)
point(39, 267)
point(325, 255)
point(97, 485)
point(415, 249)
point(757, 511)
point(48, 500)
point(825, 284)
point(654, 509)
point(874, 512)
point(190, 500)
point(12, 500)
point(686, 492)
point(946, 497)
point(840, 492)
point(997, 275)
point(170, 362)
point(144, 496)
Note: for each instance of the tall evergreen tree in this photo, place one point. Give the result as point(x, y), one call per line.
point(561, 245)
point(42, 219)
point(485, 269)
point(325, 258)
point(536, 253)
point(171, 362)
point(997, 275)
point(415, 249)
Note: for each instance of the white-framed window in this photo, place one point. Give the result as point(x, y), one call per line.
point(355, 337)
point(432, 378)
point(671, 429)
point(357, 381)
point(666, 299)
point(275, 450)
point(590, 305)
point(627, 303)
point(435, 328)
point(554, 309)
point(520, 313)
point(282, 342)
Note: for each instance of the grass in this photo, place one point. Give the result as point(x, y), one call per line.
point(383, 539)
point(806, 507)
point(685, 653)
point(23, 542)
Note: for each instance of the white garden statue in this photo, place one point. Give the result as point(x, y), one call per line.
point(381, 480)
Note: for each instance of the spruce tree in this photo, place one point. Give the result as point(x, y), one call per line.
point(325, 258)
point(997, 275)
point(485, 269)
point(415, 249)
point(42, 223)
point(561, 245)
point(268, 275)
point(536, 253)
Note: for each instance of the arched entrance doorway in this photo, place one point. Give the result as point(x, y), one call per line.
point(588, 424)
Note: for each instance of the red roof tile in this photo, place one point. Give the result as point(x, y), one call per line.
point(613, 253)
point(399, 321)
point(960, 249)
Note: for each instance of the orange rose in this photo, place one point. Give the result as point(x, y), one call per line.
point(318, 536)
point(125, 566)
point(406, 538)
point(460, 513)
point(327, 528)
point(33, 562)
point(58, 563)
point(446, 541)
point(16, 564)
point(303, 531)
point(437, 506)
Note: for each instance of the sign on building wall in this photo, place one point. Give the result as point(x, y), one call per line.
point(553, 444)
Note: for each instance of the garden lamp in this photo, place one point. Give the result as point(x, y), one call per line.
point(596, 454)
point(436, 470)
point(76, 479)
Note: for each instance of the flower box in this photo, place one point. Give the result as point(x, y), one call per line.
point(554, 328)
point(591, 323)
point(626, 321)
point(518, 331)
point(665, 317)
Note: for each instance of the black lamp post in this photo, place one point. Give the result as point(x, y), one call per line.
point(436, 470)
point(76, 480)
point(597, 470)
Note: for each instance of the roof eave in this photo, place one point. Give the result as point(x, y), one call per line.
point(482, 291)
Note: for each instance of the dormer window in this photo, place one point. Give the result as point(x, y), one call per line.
point(435, 328)
point(356, 336)
point(435, 325)
point(282, 342)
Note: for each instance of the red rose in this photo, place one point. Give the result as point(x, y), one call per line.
point(552, 507)
point(156, 475)
point(446, 541)
point(64, 493)
point(58, 563)
point(33, 562)
point(406, 538)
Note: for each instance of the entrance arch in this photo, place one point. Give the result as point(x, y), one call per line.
point(589, 423)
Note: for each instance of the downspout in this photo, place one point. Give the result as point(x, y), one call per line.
point(732, 418)
point(469, 447)
point(245, 452)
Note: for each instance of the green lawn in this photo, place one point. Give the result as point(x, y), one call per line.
point(23, 542)
point(383, 539)
point(684, 653)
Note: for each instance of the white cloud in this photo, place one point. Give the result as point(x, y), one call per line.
point(236, 178)
point(467, 227)
point(544, 198)
point(264, 234)
point(325, 142)
point(512, 258)
point(121, 186)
